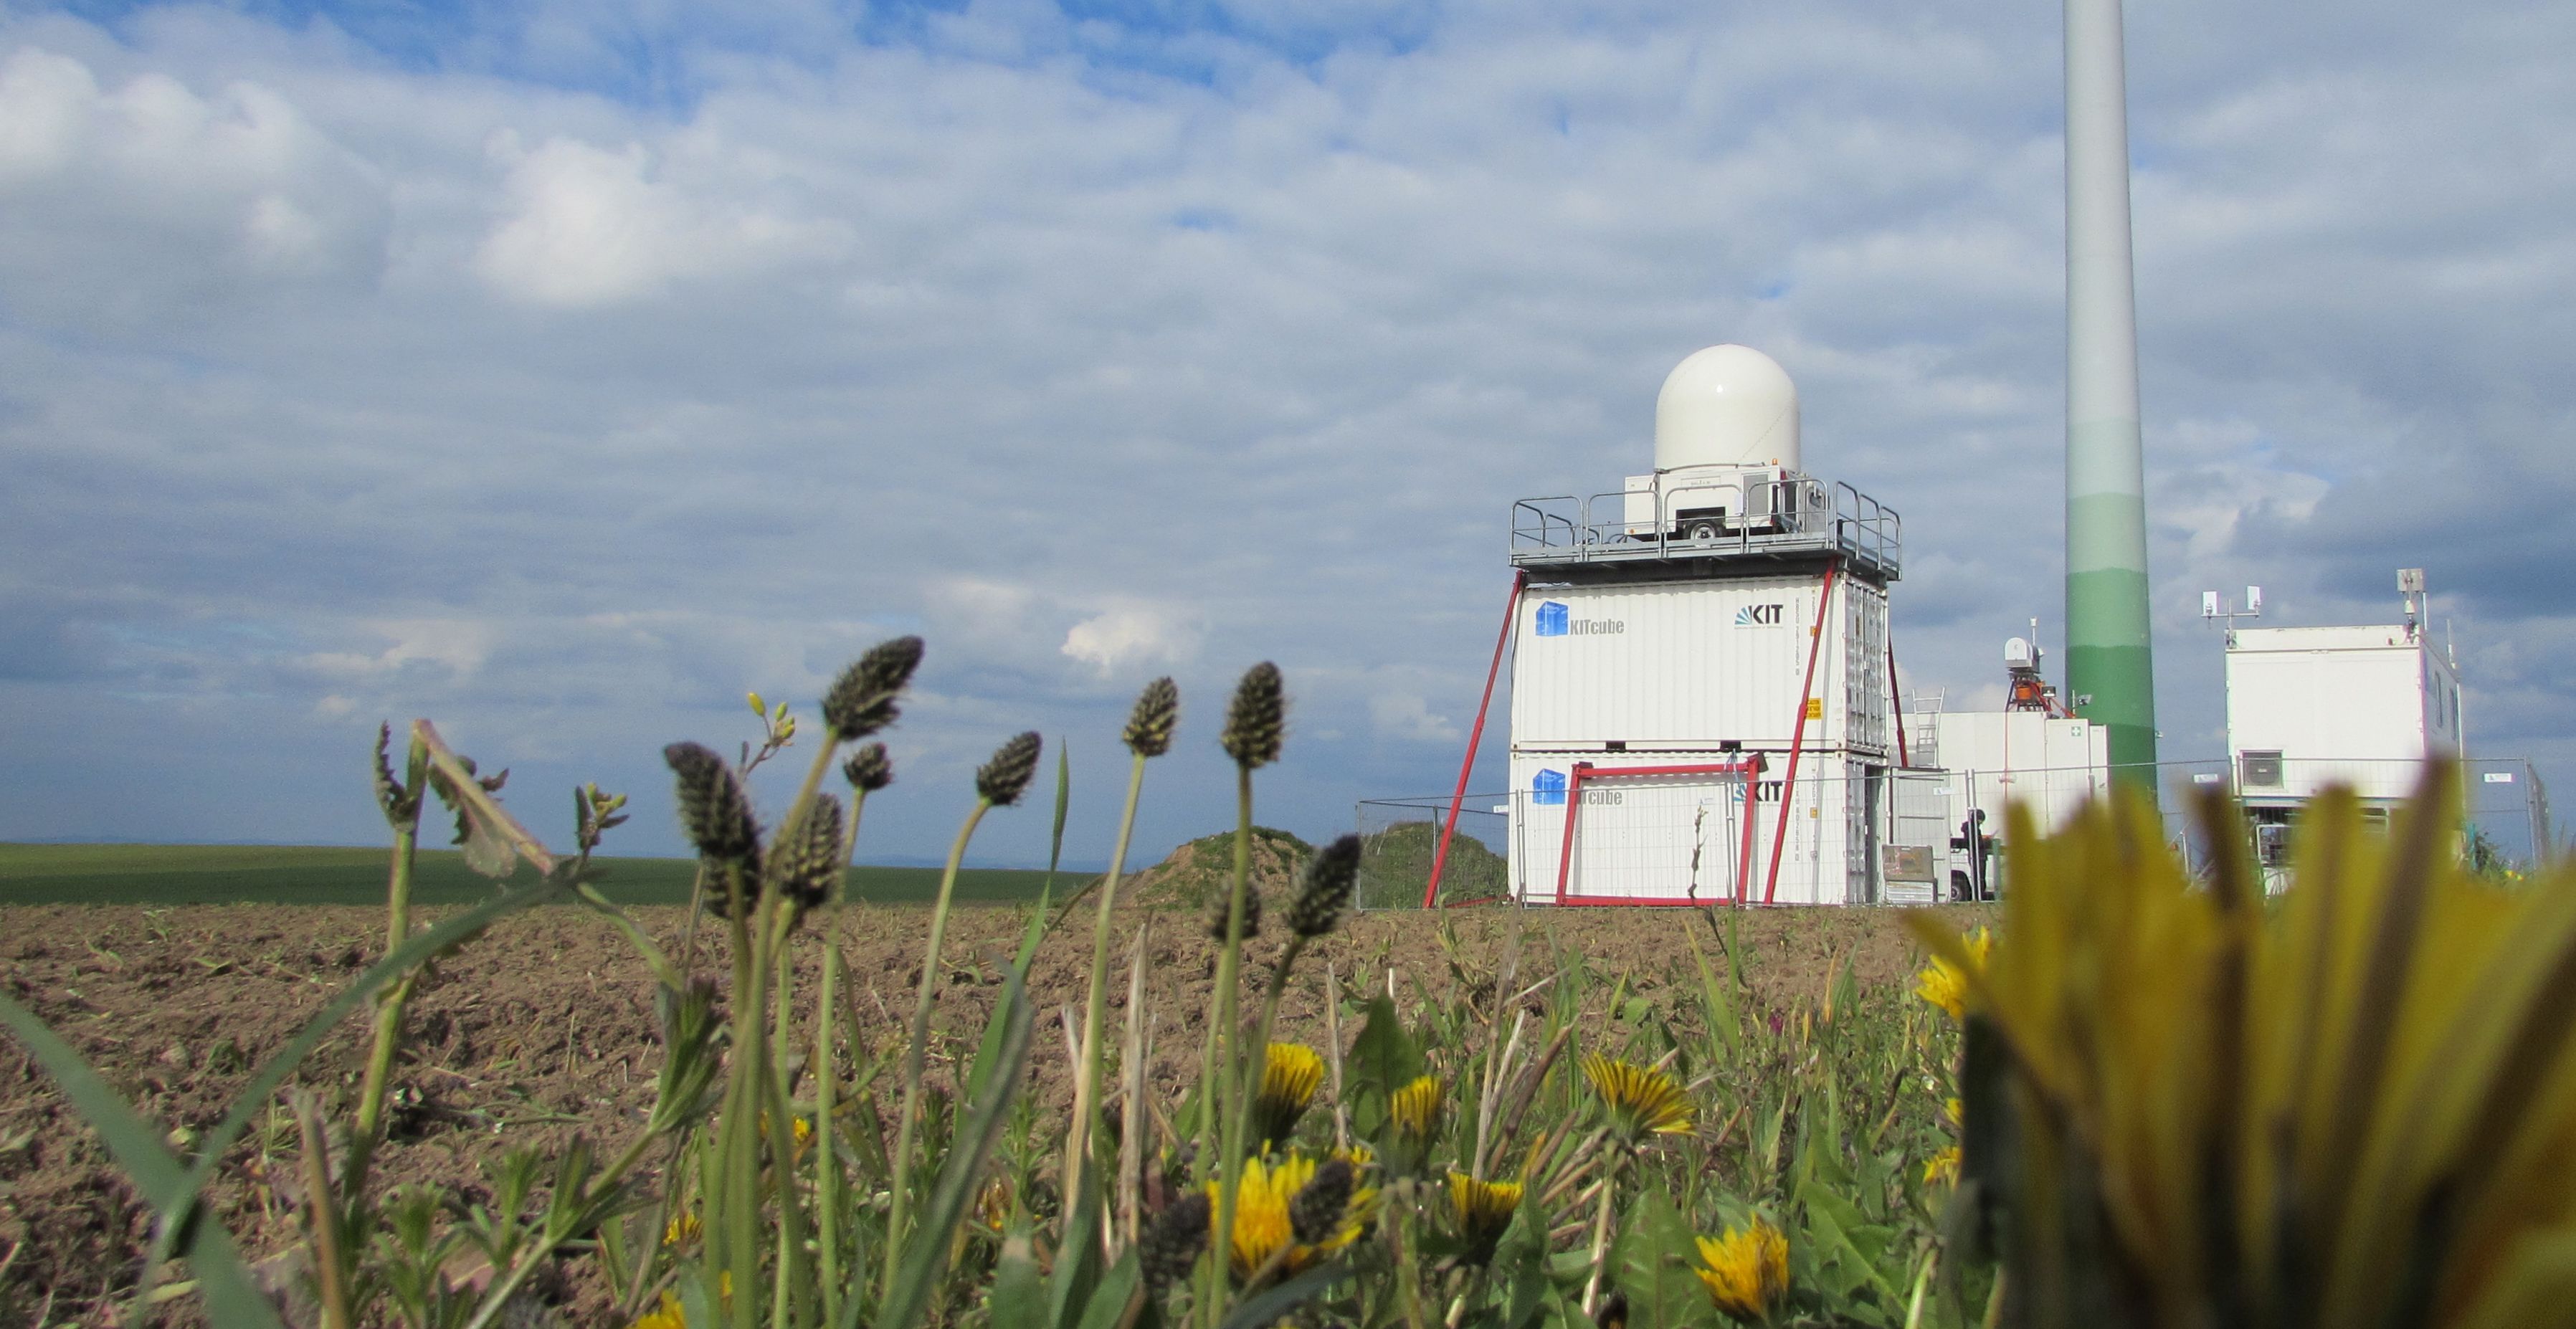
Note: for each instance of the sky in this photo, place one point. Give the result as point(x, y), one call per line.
point(563, 371)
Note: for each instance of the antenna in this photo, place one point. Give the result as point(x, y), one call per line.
point(2215, 607)
point(2410, 588)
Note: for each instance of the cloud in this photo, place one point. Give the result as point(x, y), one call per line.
point(564, 373)
point(587, 227)
point(1131, 635)
point(1403, 715)
point(458, 646)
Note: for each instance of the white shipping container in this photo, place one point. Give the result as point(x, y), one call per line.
point(2342, 705)
point(1996, 758)
point(1685, 666)
point(1681, 838)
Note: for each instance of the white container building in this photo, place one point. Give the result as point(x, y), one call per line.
point(2357, 706)
point(1706, 640)
point(2360, 706)
point(2053, 763)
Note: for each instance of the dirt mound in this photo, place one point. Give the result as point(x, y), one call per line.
point(1196, 871)
point(1395, 864)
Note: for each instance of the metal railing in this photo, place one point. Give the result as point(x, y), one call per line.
point(1798, 514)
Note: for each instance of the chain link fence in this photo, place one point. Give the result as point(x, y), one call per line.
point(1400, 836)
point(1913, 838)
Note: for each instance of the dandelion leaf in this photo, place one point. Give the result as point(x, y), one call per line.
point(1018, 1299)
point(1653, 1262)
point(1383, 1059)
point(1519, 1273)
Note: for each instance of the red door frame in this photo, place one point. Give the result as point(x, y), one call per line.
point(1748, 766)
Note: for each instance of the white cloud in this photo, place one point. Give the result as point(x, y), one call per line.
point(1405, 716)
point(458, 646)
point(588, 226)
point(687, 357)
point(1131, 635)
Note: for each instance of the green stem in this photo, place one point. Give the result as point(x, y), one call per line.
point(917, 1049)
point(1229, 963)
point(782, 1152)
point(733, 1202)
point(1086, 1085)
point(389, 1010)
point(828, 1182)
point(697, 910)
point(330, 1264)
point(1601, 1232)
point(496, 1297)
point(1260, 1060)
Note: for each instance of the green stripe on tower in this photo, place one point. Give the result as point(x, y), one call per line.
point(2108, 659)
point(2108, 664)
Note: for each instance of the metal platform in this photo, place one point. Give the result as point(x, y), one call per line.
point(1565, 534)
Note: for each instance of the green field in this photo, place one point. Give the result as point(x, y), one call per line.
point(156, 874)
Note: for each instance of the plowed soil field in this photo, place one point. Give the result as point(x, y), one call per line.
point(545, 1027)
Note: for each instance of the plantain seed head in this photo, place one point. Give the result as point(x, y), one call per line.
point(1222, 901)
point(1003, 779)
point(1149, 726)
point(1324, 888)
point(1315, 1212)
point(1172, 1241)
point(807, 858)
point(1257, 720)
point(714, 811)
point(862, 699)
point(869, 769)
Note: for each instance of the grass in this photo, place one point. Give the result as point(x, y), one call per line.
point(158, 875)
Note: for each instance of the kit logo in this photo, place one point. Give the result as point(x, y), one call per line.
point(1547, 789)
point(1758, 616)
point(1556, 620)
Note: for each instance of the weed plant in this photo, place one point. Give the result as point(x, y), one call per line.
point(2105, 1116)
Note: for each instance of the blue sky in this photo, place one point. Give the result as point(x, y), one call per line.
point(563, 371)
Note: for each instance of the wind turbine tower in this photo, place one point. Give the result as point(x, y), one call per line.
point(2109, 666)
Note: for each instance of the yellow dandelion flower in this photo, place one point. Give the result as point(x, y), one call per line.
point(1942, 1166)
point(1953, 1114)
point(682, 1228)
point(1642, 1101)
point(1278, 1208)
point(668, 1315)
point(1945, 984)
point(799, 1128)
point(1483, 1209)
point(1746, 1270)
point(1415, 1108)
point(1290, 1075)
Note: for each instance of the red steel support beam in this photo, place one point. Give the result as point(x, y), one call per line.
point(1896, 704)
point(1752, 814)
point(1798, 735)
point(1467, 768)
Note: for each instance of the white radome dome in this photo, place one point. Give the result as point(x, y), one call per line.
point(1727, 406)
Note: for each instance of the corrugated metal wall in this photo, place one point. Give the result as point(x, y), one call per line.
point(1679, 837)
point(1690, 665)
